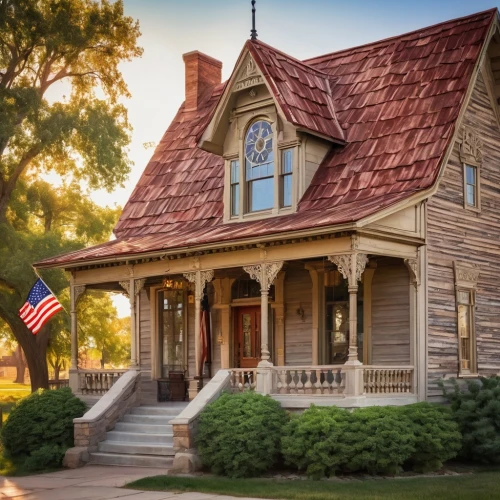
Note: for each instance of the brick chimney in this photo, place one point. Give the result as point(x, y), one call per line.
point(203, 73)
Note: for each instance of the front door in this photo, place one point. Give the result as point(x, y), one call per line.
point(247, 337)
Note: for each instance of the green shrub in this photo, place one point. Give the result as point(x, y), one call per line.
point(476, 408)
point(437, 435)
point(49, 456)
point(239, 434)
point(326, 440)
point(313, 441)
point(381, 440)
point(42, 418)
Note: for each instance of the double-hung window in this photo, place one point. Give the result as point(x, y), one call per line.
point(259, 167)
point(286, 178)
point(471, 187)
point(466, 332)
point(235, 188)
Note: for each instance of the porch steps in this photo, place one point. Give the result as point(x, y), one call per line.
point(142, 438)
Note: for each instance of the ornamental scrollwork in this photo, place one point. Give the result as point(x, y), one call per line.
point(78, 291)
point(471, 149)
point(466, 275)
point(200, 279)
point(413, 269)
point(126, 287)
point(139, 285)
point(264, 273)
point(350, 268)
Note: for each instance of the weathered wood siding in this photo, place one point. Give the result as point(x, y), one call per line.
point(390, 314)
point(455, 233)
point(298, 332)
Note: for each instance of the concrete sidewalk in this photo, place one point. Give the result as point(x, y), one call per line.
point(93, 482)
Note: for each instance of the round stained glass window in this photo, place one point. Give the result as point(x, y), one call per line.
point(259, 142)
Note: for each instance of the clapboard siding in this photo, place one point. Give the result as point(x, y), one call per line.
point(458, 234)
point(390, 314)
point(298, 333)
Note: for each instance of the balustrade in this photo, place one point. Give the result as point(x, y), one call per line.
point(243, 379)
point(98, 382)
point(316, 380)
point(388, 380)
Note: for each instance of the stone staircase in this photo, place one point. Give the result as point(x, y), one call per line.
point(142, 438)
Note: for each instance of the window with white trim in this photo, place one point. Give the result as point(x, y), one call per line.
point(261, 181)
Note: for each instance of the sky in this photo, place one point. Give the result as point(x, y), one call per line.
point(219, 28)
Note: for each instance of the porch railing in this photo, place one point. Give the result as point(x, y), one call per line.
point(242, 379)
point(388, 379)
point(317, 380)
point(97, 382)
point(338, 380)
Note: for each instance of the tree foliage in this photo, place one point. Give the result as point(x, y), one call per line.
point(49, 47)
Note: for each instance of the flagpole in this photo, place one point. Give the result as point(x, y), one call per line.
point(50, 290)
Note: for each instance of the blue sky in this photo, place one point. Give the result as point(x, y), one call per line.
point(219, 28)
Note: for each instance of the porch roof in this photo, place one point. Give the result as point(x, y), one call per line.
point(397, 102)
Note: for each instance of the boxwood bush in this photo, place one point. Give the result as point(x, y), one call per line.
point(239, 434)
point(476, 408)
point(438, 438)
point(325, 440)
point(44, 418)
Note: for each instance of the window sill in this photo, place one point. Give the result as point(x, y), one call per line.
point(264, 214)
point(468, 375)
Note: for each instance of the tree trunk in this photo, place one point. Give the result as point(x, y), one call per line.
point(35, 350)
point(20, 365)
point(57, 369)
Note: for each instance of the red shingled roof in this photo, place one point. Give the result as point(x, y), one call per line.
point(397, 102)
point(302, 91)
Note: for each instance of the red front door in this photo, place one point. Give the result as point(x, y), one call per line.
point(247, 337)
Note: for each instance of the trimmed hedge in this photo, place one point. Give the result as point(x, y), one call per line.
point(40, 421)
point(476, 408)
point(239, 434)
point(325, 440)
point(438, 437)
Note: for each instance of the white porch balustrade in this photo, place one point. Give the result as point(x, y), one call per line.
point(340, 380)
point(388, 380)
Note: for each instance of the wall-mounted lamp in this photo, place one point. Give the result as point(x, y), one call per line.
point(300, 312)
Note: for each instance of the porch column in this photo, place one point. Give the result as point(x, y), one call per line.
point(265, 274)
point(351, 266)
point(131, 288)
point(200, 279)
point(76, 291)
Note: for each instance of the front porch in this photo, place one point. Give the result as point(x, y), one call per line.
point(335, 320)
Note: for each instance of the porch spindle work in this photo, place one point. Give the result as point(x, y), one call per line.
point(265, 274)
point(351, 266)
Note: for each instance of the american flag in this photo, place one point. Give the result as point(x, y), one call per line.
point(39, 307)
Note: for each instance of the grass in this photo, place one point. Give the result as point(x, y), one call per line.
point(477, 486)
point(10, 394)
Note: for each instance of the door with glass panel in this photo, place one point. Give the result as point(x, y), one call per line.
point(247, 337)
point(172, 331)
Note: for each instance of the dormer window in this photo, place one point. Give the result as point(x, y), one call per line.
point(259, 166)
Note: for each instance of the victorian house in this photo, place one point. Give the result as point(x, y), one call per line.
point(321, 231)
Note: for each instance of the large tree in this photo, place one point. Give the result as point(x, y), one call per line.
point(82, 137)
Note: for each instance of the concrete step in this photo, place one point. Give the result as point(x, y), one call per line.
point(139, 437)
point(103, 458)
point(147, 419)
point(143, 428)
point(171, 410)
point(136, 448)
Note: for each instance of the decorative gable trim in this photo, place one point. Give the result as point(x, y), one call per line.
point(471, 149)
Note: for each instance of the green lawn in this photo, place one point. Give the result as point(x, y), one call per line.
point(10, 394)
point(477, 486)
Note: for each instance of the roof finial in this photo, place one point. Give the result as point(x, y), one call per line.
point(253, 31)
